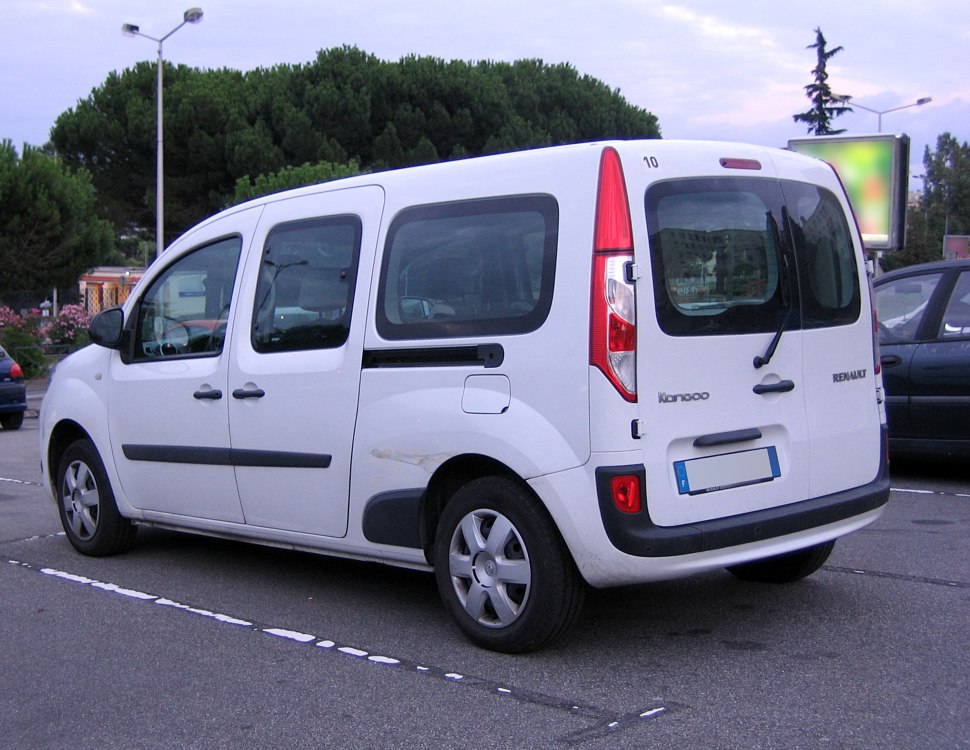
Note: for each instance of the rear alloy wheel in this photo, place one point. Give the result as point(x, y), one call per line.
point(86, 503)
point(786, 568)
point(502, 569)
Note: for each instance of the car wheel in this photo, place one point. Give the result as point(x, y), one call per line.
point(86, 503)
point(786, 568)
point(502, 569)
point(12, 421)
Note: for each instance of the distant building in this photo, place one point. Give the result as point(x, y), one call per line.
point(956, 246)
point(107, 286)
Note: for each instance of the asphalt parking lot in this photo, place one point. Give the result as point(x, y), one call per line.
point(193, 642)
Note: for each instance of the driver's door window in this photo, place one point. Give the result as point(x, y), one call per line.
point(184, 312)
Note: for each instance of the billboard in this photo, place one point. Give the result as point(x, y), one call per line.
point(875, 172)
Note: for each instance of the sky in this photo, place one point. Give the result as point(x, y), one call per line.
point(708, 69)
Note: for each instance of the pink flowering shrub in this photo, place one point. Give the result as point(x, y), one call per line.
point(69, 327)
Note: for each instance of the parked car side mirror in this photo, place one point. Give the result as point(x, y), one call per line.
point(107, 328)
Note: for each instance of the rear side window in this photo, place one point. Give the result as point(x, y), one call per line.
point(473, 268)
point(305, 291)
point(956, 317)
point(827, 271)
point(741, 255)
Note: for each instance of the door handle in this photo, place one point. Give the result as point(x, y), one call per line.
point(890, 360)
point(211, 394)
point(243, 393)
point(782, 386)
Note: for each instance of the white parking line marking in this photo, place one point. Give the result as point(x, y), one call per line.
point(603, 720)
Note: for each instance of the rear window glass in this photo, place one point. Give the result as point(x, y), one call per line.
point(741, 255)
point(956, 317)
point(827, 271)
point(305, 291)
point(473, 268)
point(716, 254)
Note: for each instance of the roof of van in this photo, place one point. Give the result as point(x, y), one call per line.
point(588, 151)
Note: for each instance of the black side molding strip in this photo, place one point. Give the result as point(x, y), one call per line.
point(484, 355)
point(190, 454)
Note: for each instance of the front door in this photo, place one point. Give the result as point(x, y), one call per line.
point(168, 408)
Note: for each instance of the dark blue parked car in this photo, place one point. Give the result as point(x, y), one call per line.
point(924, 339)
point(13, 393)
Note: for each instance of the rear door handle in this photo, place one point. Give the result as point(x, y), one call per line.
point(243, 393)
point(211, 394)
point(890, 360)
point(782, 386)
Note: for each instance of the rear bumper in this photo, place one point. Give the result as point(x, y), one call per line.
point(13, 397)
point(637, 535)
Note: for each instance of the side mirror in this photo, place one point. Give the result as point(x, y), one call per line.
point(107, 328)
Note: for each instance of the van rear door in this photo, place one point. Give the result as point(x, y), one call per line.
point(754, 301)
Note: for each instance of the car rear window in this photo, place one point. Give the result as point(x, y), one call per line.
point(738, 255)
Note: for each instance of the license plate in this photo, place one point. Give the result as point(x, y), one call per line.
point(712, 473)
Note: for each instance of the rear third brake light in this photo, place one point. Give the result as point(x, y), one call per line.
point(740, 163)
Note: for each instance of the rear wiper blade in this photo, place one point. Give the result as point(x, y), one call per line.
point(762, 360)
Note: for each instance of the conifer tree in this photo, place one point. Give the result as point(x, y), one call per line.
point(825, 105)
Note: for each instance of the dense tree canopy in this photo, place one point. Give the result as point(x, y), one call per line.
point(345, 107)
point(944, 206)
point(49, 233)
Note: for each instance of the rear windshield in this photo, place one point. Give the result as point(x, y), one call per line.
point(740, 255)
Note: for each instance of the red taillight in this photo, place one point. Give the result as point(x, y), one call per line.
point(613, 321)
point(625, 491)
point(16, 372)
point(612, 209)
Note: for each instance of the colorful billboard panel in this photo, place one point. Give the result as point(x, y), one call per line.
point(875, 172)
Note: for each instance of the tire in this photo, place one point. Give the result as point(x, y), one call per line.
point(12, 420)
point(503, 571)
point(787, 568)
point(87, 505)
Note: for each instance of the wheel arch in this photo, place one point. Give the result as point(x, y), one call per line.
point(64, 433)
point(449, 477)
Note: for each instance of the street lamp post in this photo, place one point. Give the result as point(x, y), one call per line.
point(192, 15)
point(917, 103)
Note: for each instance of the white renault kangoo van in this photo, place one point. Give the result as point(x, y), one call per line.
point(588, 365)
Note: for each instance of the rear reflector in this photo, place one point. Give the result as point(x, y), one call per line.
point(625, 491)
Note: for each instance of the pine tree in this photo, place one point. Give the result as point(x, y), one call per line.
point(825, 105)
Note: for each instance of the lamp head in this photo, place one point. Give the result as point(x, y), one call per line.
point(129, 29)
point(193, 15)
point(924, 100)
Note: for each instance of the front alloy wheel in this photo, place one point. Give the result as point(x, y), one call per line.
point(86, 503)
point(80, 500)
